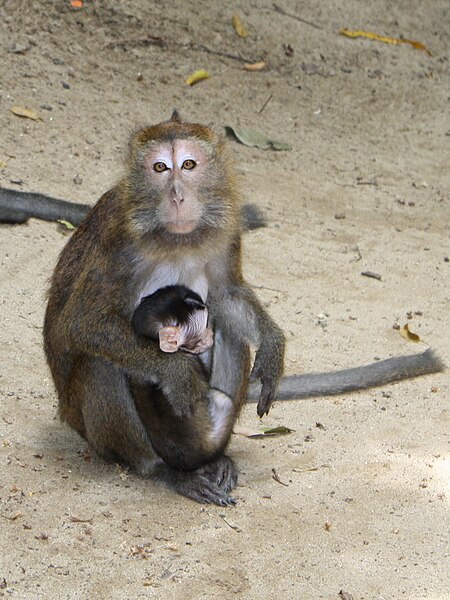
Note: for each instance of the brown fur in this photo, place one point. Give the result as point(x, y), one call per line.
point(120, 392)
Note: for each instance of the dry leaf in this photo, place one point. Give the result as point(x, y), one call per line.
point(263, 432)
point(76, 3)
point(252, 138)
point(17, 515)
point(230, 523)
point(276, 477)
point(259, 66)
point(197, 76)
point(26, 113)
point(383, 38)
point(238, 25)
point(75, 519)
point(2, 164)
point(408, 335)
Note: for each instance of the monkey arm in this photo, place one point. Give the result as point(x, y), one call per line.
point(90, 327)
point(239, 312)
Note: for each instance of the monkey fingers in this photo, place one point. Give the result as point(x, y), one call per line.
point(265, 400)
point(183, 383)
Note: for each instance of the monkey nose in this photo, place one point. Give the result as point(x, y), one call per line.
point(177, 199)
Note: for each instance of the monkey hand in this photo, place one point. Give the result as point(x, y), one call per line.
point(183, 383)
point(268, 368)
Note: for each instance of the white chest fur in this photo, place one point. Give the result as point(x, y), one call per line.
point(190, 273)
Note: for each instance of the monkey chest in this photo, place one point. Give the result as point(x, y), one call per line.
point(192, 274)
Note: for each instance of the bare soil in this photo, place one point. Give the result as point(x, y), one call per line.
point(362, 505)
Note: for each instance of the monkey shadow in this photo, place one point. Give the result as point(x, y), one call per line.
point(66, 448)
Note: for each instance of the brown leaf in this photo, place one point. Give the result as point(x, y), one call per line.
point(408, 335)
point(258, 66)
point(25, 113)
point(383, 38)
point(238, 25)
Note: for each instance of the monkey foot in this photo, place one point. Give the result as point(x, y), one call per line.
point(222, 472)
point(205, 342)
point(198, 487)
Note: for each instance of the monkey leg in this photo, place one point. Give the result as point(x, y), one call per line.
point(186, 443)
point(112, 425)
point(114, 429)
point(230, 372)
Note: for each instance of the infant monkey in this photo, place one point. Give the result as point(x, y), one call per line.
point(176, 317)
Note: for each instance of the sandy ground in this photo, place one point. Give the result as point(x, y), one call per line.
point(362, 505)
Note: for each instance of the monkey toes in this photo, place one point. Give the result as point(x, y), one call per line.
point(223, 472)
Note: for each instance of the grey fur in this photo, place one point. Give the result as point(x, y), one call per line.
point(358, 378)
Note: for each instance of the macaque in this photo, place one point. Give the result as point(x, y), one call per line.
point(177, 318)
point(174, 219)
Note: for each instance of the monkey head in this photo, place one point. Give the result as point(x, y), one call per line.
point(181, 186)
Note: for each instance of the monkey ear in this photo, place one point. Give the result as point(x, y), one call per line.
point(194, 302)
point(175, 116)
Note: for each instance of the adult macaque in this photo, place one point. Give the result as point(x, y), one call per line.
point(174, 219)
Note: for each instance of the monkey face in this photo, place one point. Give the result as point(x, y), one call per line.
point(176, 172)
point(181, 190)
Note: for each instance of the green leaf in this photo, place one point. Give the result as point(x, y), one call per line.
point(252, 138)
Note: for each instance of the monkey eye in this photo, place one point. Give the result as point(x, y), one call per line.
point(188, 164)
point(159, 167)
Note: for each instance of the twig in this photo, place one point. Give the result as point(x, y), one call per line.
point(358, 254)
point(152, 40)
point(277, 479)
point(286, 14)
point(230, 523)
point(372, 275)
point(203, 48)
point(265, 103)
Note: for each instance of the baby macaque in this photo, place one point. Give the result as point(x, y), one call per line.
point(177, 318)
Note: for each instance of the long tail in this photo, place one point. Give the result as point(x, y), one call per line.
point(18, 207)
point(358, 378)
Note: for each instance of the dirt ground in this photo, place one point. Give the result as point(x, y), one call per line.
point(361, 505)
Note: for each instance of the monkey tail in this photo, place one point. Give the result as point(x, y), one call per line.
point(358, 378)
point(17, 207)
